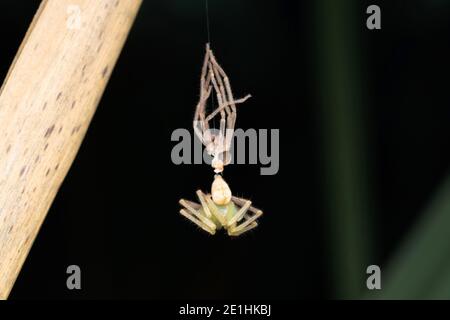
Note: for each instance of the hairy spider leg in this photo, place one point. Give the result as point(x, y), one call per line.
point(205, 91)
point(220, 146)
point(249, 221)
point(240, 214)
point(196, 217)
point(243, 226)
point(201, 197)
point(219, 217)
point(231, 108)
point(241, 202)
point(216, 71)
point(190, 217)
point(234, 233)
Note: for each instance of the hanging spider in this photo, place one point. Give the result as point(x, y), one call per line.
point(220, 209)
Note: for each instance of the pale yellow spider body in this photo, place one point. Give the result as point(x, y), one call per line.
point(221, 209)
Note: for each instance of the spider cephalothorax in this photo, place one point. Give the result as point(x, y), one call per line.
point(219, 209)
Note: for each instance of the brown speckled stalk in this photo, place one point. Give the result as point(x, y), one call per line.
point(46, 104)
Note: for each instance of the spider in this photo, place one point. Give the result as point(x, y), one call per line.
point(220, 209)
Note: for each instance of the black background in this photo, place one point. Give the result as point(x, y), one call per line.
point(116, 215)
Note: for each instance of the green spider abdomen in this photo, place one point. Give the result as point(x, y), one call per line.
point(226, 211)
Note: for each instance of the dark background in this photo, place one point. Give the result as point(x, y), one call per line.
point(116, 215)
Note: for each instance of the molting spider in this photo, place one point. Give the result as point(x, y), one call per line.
point(219, 209)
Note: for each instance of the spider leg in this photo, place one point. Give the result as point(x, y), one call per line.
point(204, 85)
point(206, 60)
point(229, 104)
point(225, 82)
point(221, 76)
point(199, 223)
point(219, 144)
point(225, 141)
point(196, 217)
point(201, 196)
point(246, 223)
point(187, 203)
point(215, 212)
point(234, 233)
point(200, 124)
point(249, 220)
point(238, 101)
point(240, 214)
point(242, 201)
